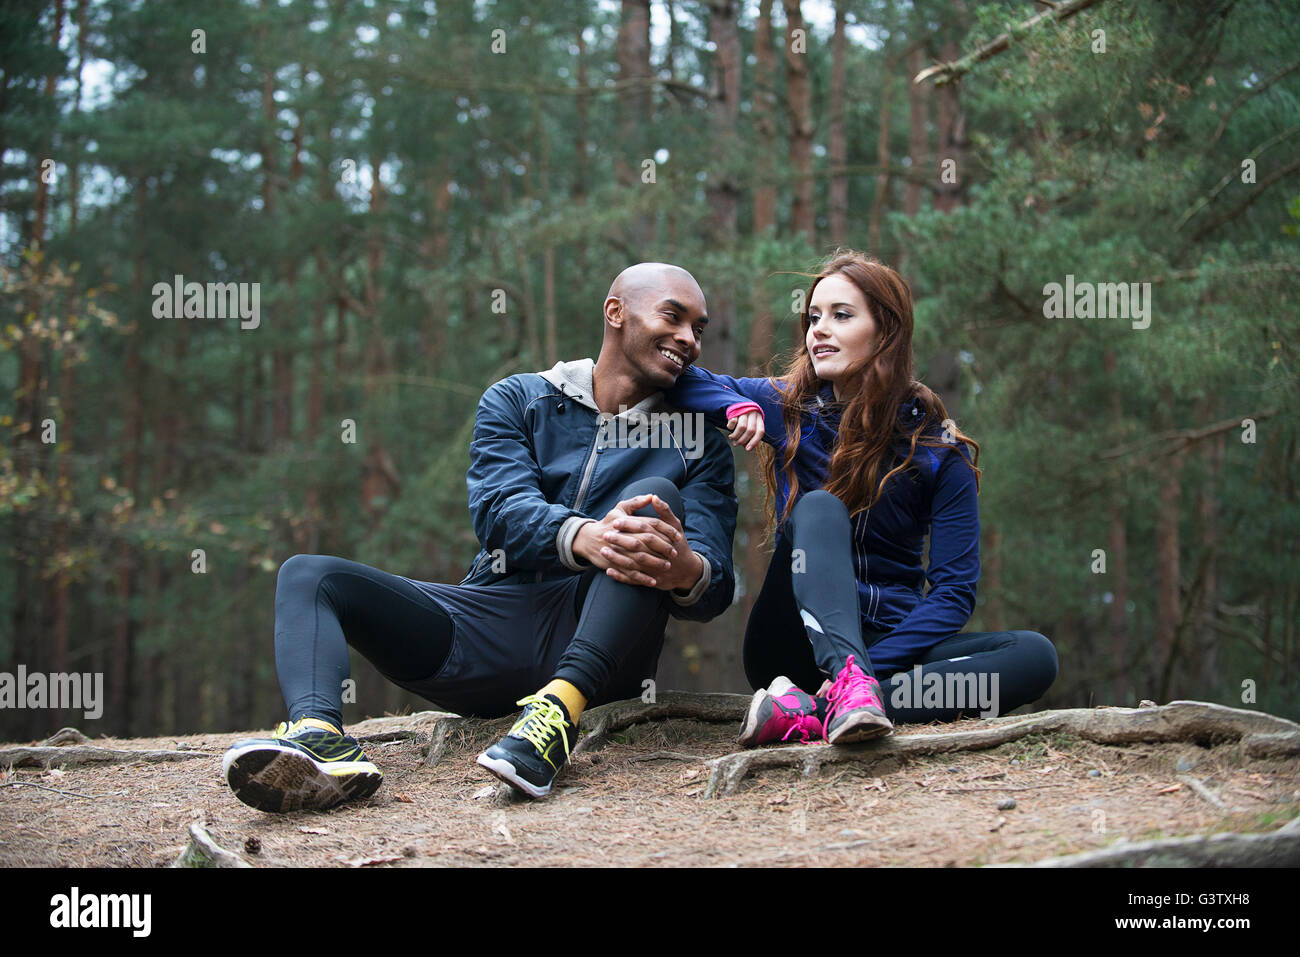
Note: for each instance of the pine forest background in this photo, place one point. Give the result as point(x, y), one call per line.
point(383, 168)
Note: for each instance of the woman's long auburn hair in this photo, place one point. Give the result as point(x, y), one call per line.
point(869, 425)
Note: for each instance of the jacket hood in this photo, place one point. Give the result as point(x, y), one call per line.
point(576, 380)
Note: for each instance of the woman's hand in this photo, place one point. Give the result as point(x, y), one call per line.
point(746, 429)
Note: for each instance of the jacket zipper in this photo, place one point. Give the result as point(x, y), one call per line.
point(590, 466)
point(586, 471)
point(872, 591)
point(582, 488)
point(474, 571)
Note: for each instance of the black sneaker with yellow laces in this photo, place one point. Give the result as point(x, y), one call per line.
point(530, 756)
point(306, 765)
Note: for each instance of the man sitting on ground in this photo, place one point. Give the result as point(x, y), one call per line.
point(589, 545)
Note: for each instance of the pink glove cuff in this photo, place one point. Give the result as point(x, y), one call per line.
point(740, 408)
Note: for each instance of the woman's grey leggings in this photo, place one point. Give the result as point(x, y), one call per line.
point(967, 675)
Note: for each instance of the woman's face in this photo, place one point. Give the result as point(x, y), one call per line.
point(841, 331)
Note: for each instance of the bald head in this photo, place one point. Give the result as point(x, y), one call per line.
point(654, 319)
point(651, 281)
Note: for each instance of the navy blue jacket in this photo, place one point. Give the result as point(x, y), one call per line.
point(936, 492)
point(545, 460)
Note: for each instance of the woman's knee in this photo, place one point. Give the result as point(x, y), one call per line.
point(1038, 656)
point(821, 504)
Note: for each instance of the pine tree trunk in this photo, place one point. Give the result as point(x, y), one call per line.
point(379, 481)
point(119, 694)
point(64, 499)
point(951, 126)
point(69, 356)
point(799, 108)
point(1207, 639)
point(281, 354)
point(723, 187)
point(30, 454)
point(635, 106)
point(918, 140)
point(441, 238)
point(581, 107)
point(550, 322)
point(879, 201)
point(578, 189)
point(315, 413)
point(1168, 603)
point(838, 204)
point(991, 560)
point(764, 109)
point(634, 99)
point(1122, 690)
point(1289, 469)
point(1117, 567)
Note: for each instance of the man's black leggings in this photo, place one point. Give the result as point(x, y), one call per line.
point(805, 626)
point(474, 649)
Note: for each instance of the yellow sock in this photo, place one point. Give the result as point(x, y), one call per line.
point(322, 724)
point(572, 698)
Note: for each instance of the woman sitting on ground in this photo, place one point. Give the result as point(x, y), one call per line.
point(861, 461)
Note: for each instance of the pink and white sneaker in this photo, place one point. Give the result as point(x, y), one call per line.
point(780, 712)
point(855, 712)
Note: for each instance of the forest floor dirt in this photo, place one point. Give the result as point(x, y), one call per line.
point(640, 801)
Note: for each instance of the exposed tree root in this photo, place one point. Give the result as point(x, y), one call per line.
point(203, 851)
point(610, 718)
point(1283, 744)
point(1280, 848)
point(65, 736)
point(436, 727)
point(1188, 721)
point(429, 727)
point(436, 745)
point(384, 729)
point(88, 754)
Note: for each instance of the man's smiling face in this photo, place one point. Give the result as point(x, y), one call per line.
point(663, 322)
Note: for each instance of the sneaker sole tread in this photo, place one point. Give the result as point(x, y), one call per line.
point(280, 780)
point(860, 726)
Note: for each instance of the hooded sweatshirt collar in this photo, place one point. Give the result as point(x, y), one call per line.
point(576, 380)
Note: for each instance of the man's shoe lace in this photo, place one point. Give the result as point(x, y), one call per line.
point(538, 726)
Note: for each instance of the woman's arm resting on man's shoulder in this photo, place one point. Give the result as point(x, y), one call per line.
point(953, 572)
point(722, 397)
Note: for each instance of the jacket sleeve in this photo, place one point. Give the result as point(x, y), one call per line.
point(510, 511)
point(709, 501)
point(699, 390)
point(953, 571)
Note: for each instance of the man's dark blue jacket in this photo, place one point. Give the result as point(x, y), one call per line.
point(545, 460)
